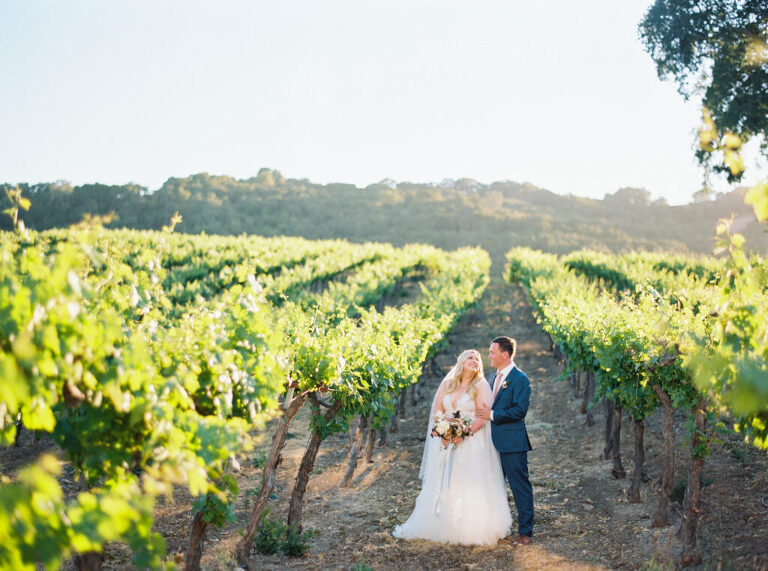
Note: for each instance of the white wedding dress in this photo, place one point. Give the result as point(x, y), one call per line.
point(463, 496)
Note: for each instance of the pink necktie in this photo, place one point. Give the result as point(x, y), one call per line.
point(496, 383)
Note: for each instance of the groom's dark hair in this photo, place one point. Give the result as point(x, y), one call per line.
point(507, 344)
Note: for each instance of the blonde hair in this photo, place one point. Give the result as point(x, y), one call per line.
point(454, 375)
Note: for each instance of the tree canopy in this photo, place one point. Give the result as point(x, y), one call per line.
point(718, 49)
point(445, 214)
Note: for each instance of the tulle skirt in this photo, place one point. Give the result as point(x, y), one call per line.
point(463, 496)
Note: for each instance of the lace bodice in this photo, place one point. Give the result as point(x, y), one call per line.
point(465, 404)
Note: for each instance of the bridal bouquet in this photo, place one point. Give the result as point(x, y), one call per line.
point(451, 426)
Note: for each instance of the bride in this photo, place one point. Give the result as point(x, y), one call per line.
point(463, 496)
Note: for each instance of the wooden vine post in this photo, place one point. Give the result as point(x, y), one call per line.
point(608, 432)
point(308, 460)
point(195, 550)
point(638, 471)
point(89, 561)
point(291, 407)
point(667, 378)
point(370, 441)
point(589, 397)
point(618, 468)
point(661, 516)
point(355, 451)
point(700, 444)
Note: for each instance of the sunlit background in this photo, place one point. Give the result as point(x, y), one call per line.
point(557, 93)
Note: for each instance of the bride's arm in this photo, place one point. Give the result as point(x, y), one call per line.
point(439, 398)
point(482, 398)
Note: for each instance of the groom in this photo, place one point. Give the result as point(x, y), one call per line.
point(511, 394)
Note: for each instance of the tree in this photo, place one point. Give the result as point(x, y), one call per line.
point(716, 49)
point(266, 178)
point(629, 196)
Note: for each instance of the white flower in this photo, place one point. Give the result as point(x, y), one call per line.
point(442, 427)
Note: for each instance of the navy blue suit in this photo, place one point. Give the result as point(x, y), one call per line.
point(511, 440)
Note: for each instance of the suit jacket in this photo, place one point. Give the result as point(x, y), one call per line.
point(510, 406)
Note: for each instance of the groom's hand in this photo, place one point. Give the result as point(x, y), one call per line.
point(483, 412)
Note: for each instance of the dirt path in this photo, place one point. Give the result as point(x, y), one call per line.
point(583, 520)
point(354, 525)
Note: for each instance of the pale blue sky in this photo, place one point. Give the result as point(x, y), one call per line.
point(554, 92)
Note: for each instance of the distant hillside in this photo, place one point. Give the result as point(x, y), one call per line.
point(450, 214)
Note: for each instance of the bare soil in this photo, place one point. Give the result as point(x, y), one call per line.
point(583, 520)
